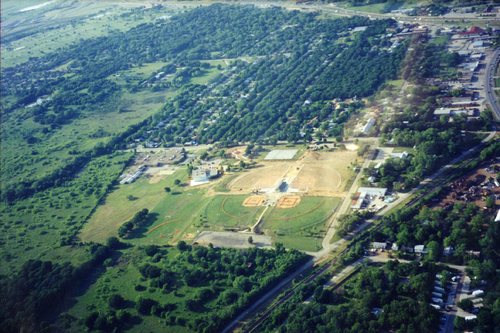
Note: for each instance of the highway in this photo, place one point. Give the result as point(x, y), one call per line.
point(489, 84)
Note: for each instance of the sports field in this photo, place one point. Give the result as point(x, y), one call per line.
point(229, 212)
point(325, 173)
point(303, 225)
point(266, 176)
point(294, 217)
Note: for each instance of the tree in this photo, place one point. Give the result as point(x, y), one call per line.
point(144, 305)
point(113, 243)
point(182, 246)
point(168, 189)
point(177, 182)
point(490, 202)
point(250, 239)
point(117, 302)
point(466, 304)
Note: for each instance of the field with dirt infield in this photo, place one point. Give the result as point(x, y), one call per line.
point(254, 201)
point(291, 199)
point(266, 176)
point(288, 201)
point(324, 173)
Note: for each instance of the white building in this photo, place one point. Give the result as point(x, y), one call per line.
point(379, 245)
point(420, 249)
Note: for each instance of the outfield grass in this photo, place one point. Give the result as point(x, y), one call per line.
point(303, 226)
point(227, 211)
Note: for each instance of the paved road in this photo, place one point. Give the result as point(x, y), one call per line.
point(429, 20)
point(489, 84)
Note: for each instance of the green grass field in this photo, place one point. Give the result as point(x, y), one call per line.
point(375, 8)
point(181, 214)
point(227, 211)
point(302, 226)
point(118, 209)
point(186, 211)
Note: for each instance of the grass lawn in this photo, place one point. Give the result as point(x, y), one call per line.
point(304, 243)
point(441, 40)
point(227, 211)
point(221, 185)
point(302, 226)
point(118, 208)
point(374, 8)
point(396, 83)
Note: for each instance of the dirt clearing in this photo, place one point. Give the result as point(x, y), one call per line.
point(258, 178)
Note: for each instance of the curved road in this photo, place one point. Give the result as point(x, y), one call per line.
point(489, 84)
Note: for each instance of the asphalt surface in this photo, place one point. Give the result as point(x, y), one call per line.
point(489, 84)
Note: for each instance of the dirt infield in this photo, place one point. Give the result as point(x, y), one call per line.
point(288, 201)
point(254, 201)
point(318, 178)
point(258, 178)
point(325, 173)
point(317, 173)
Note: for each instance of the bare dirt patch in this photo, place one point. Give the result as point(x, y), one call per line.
point(315, 173)
point(325, 173)
point(159, 173)
point(288, 201)
point(254, 201)
point(318, 178)
point(232, 239)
